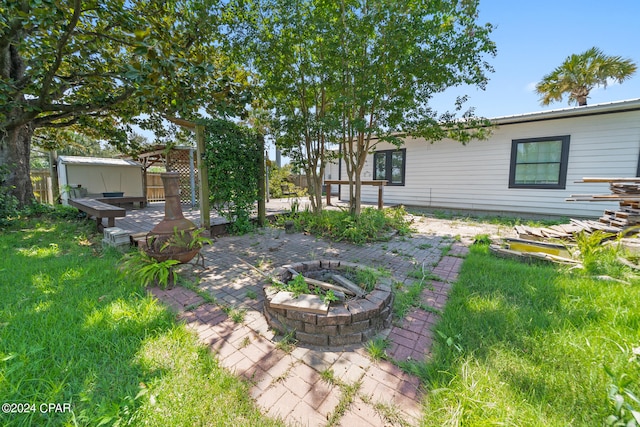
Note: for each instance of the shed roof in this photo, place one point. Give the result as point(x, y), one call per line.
point(97, 161)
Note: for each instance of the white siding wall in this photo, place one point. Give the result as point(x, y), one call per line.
point(94, 178)
point(448, 175)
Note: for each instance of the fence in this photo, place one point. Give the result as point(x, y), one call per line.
point(155, 189)
point(41, 181)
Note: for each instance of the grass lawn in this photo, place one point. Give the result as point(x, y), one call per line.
point(527, 345)
point(75, 332)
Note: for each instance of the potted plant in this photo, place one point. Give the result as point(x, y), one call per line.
point(175, 237)
point(149, 271)
point(182, 245)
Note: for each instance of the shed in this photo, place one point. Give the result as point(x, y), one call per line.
point(94, 176)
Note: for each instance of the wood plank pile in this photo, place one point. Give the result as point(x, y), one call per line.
point(564, 231)
point(626, 191)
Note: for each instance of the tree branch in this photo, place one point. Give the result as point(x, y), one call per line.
point(48, 79)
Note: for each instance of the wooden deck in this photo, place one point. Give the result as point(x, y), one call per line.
point(143, 220)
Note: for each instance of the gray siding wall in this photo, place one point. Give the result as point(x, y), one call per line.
point(448, 175)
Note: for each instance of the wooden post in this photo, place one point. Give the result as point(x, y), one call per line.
point(380, 203)
point(262, 208)
point(327, 188)
point(53, 173)
point(203, 177)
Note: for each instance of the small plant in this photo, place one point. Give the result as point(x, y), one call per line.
point(262, 263)
point(295, 207)
point(288, 342)
point(367, 278)
point(445, 249)
point(597, 255)
point(377, 348)
point(235, 314)
point(186, 239)
point(328, 376)
point(482, 239)
point(452, 342)
point(625, 403)
point(245, 342)
point(329, 297)
point(148, 270)
point(251, 294)
point(298, 286)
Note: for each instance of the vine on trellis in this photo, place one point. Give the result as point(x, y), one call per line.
point(232, 153)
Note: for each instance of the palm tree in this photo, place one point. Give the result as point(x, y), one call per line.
point(578, 74)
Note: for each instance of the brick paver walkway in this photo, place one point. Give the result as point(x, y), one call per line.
point(316, 386)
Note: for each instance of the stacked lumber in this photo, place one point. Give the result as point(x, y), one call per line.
point(565, 231)
point(626, 191)
point(621, 218)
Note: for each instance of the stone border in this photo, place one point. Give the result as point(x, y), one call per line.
point(354, 322)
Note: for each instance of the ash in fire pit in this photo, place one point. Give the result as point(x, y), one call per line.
point(323, 303)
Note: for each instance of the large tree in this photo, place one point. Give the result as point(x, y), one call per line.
point(581, 73)
point(360, 72)
point(102, 65)
point(280, 41)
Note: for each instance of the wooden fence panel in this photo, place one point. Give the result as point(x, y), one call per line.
point(41, 181)
point(155, 189)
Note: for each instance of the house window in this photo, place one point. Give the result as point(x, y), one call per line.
point(539, 162)
point(389, 165)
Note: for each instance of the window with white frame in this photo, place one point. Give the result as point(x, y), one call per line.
point(389, 165)
point(539, 162)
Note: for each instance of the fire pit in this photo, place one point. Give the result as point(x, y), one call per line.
point(356, 318)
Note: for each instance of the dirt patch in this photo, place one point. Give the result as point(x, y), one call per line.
point(465, 229)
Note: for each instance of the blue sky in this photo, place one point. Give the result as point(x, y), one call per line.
point(533, 37)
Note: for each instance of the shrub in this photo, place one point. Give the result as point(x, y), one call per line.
point(370, 226)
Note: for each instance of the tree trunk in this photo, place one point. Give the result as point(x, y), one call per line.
point(357, 209)
point(315, 183)
point(15, 152)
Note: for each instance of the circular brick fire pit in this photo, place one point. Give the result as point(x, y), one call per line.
point(355, 320)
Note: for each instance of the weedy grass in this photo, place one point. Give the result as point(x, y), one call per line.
point(531, 345)
point(75, 330)
point(372, 225)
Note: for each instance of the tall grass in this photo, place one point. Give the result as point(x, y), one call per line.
point(339, 225)
point(75, 331)
point(528, 345)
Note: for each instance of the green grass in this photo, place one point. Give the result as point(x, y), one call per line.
point(528, 345)
point(73, 330)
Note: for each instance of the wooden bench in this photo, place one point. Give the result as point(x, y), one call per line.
point(124, 200)
point(380, 183)
point(99, 210)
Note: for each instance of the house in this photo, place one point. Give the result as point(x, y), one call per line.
point(529, 165)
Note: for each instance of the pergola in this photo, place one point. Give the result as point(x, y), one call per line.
point(179, 159)
point(156, 155)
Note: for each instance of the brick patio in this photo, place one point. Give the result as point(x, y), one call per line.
point(293, 386)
